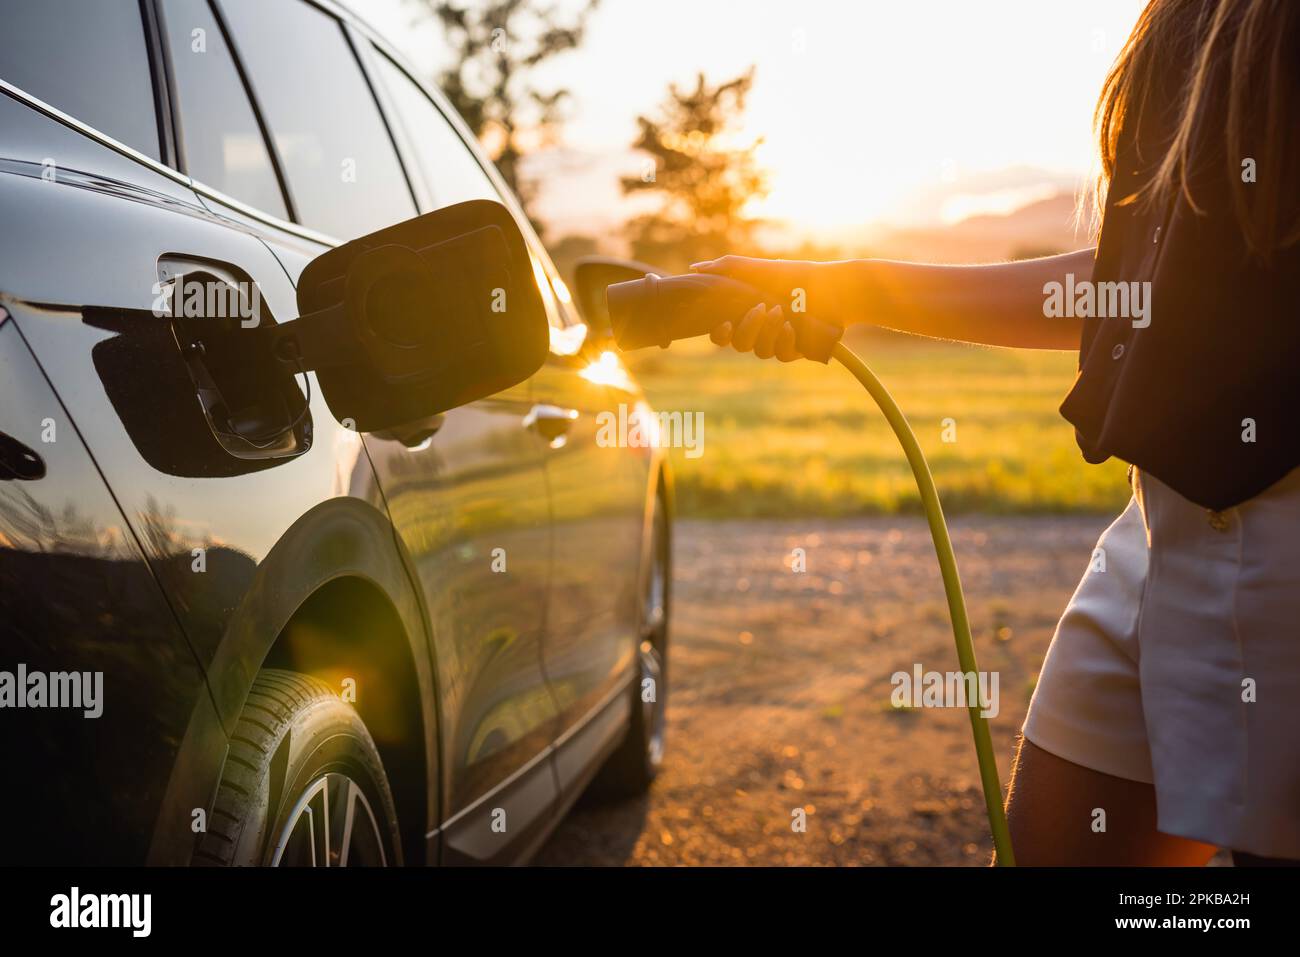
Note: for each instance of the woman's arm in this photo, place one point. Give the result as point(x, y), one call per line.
point(997, 305)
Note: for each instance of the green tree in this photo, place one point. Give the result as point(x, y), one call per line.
point(702, 178)
point(497, 45)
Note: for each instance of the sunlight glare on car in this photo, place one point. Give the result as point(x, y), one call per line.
point(567, 340)
point(608, 370)
point(561, 291)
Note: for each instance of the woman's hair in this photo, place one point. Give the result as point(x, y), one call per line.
point(1236, 60)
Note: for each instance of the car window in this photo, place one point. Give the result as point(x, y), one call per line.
point(452, 174)
point(448, 168)
point(223, 144)
point(88, 60)
point(343, 173)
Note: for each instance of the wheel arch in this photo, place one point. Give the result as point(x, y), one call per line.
point(332, 598)
point(349, 631)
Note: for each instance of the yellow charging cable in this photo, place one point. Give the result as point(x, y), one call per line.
point(952, 588)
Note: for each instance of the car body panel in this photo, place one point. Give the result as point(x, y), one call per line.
point(516, 707)
point(113, 232)
point(601, 498)
point(597, 516)
point(76, 594)
point(464, 500)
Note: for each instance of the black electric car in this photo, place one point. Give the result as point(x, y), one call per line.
point(309, 553)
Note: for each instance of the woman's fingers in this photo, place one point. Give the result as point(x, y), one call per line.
point(763, 331)
point(746, 334)
point(786, 350)
point(737, 267)
point(765, 341)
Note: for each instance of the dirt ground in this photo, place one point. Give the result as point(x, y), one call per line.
point(780, 692)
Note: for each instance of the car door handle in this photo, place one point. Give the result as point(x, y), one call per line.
point(551, 422)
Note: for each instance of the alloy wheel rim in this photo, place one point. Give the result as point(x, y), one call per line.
point(331, 825)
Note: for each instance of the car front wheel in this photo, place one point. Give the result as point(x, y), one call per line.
point(303, 784)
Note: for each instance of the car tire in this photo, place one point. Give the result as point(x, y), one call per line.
point(630, 770)
point(300, 756)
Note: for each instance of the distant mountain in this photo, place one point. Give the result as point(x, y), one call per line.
point(1036, 229)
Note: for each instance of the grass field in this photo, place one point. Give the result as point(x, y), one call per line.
point(799, 439)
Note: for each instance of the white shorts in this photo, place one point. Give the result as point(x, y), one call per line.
point(1179, 665)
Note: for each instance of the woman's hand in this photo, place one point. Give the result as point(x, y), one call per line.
point(779, 277)
point(762, 330)
point(765, 331)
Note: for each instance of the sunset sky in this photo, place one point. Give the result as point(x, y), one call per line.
point(872, 113)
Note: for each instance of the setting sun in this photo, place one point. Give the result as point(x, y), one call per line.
point(981, 108)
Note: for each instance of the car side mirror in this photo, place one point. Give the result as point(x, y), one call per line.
point(591, 276)
point(418, 318)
